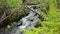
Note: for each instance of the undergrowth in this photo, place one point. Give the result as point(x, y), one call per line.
point(51, 23)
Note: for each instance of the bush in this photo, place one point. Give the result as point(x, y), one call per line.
point(51, 23)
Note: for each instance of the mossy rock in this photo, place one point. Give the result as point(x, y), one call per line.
point(16, 11)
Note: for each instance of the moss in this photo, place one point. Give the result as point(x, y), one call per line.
point(15, 11)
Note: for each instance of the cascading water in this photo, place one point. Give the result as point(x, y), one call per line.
point(27, 21)
point(30, 20)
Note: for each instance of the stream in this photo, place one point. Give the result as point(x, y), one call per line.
point(26, 22)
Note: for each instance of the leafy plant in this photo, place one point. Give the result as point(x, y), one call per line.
point(51, 25)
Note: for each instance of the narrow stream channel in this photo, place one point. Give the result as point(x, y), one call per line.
point(29, 20)
point(26, 22)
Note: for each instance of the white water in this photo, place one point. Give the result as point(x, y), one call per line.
point(30, 20)
point(27, 21)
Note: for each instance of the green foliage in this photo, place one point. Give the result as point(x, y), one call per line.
point(51, 25)
point(32, 1)
point(35, 2)
point(35, 31)
point(14, 3)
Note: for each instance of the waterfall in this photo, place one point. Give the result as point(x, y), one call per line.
point(26, 22)
point(29, 20)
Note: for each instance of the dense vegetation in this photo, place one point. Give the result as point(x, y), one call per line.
point(51, 23)
point(15, 10)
